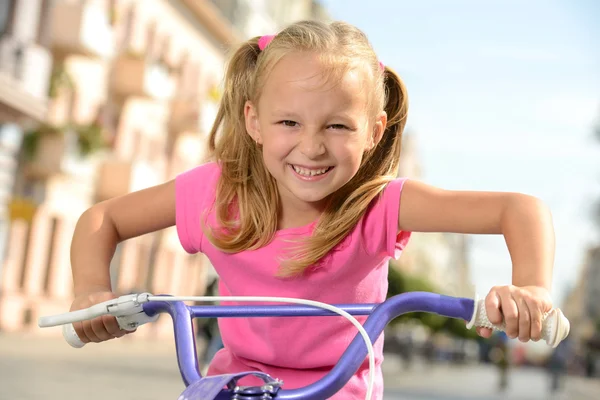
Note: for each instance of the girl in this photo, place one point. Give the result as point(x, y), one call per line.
point(302, 201)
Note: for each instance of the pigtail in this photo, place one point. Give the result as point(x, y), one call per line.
point(246, 196)
point(238, 81)
point(396, 108)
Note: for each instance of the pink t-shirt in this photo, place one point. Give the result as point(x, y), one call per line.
point(298, 350)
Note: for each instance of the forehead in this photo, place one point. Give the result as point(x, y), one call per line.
point(302, 77)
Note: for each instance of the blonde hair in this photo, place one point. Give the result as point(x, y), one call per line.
point(247, 202)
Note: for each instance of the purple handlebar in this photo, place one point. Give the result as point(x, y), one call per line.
point(379, 316)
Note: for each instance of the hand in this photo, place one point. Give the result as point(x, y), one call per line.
point(521, 308)
point(98, 329)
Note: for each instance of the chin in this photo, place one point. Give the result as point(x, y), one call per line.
point(311, 195)
point(312, 198)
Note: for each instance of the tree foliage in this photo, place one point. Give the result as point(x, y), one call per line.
point(401, 282)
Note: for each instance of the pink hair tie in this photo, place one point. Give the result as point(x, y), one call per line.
point(264, 41)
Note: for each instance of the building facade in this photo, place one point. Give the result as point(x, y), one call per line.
point(140, 75)
point(580, 304)
point(25, 65)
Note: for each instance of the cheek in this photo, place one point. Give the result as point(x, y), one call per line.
point(349, 150)
point(276, 144)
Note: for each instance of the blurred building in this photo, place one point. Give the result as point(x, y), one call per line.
point(142, 75)
point(261, 17)
point(139, 75)
point(581, 305)
point(440, 258)
point(25, 65)
point(591, 286)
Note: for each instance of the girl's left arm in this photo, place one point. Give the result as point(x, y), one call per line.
point(526, 224)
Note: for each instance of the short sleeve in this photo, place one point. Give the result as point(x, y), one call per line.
point(380, 223)
point(194, 196)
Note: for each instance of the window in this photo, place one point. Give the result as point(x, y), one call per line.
point(155, 149)
point(140, 144)
point(51, 251)
point(164, 48)
point(4, 229)
point(6, 16)
point(72, 105)
point(44, 25)
point(152, 258)
point(143, 261)
point(182, 71)
point(128, 28)
point(152, 41)
point(26, 252)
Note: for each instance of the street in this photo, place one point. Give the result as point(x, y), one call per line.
point(46, 368)
point(478, 382)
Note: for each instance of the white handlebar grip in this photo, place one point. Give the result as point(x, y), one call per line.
point(71, 336)
point(555, 326)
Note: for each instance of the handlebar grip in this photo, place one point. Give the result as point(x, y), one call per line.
point(71, 337)
point(555, 326)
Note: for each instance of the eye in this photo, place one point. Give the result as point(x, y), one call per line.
point(338, 126)
point(288, 123)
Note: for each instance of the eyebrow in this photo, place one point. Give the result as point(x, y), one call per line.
point(285, 113)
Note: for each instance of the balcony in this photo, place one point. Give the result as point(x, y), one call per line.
point(119, 177)
point(48, 153)
point(24, 77)
point(184, 115)
point(82, 28)
point(133, 75)
point(52, 150)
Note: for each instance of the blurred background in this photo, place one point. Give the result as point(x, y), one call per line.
point(102, 97)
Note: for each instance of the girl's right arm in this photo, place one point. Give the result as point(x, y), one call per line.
point(95, 239)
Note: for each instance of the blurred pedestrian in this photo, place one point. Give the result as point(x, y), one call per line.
point(558, 363)
point(500, 356)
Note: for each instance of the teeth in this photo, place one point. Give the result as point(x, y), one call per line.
point(309, 172)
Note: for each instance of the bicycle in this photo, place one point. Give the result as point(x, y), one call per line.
point(134, 310)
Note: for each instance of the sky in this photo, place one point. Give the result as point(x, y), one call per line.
point(503, 96)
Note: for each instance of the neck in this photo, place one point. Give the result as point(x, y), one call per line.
point(294, 213)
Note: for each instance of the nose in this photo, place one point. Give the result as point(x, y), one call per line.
point(312, 144)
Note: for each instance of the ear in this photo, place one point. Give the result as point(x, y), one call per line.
point(378, 130)
point(252, 125)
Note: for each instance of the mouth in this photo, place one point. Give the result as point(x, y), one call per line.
point(310, 173)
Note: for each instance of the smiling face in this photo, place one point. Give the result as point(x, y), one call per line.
point(313, 131)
